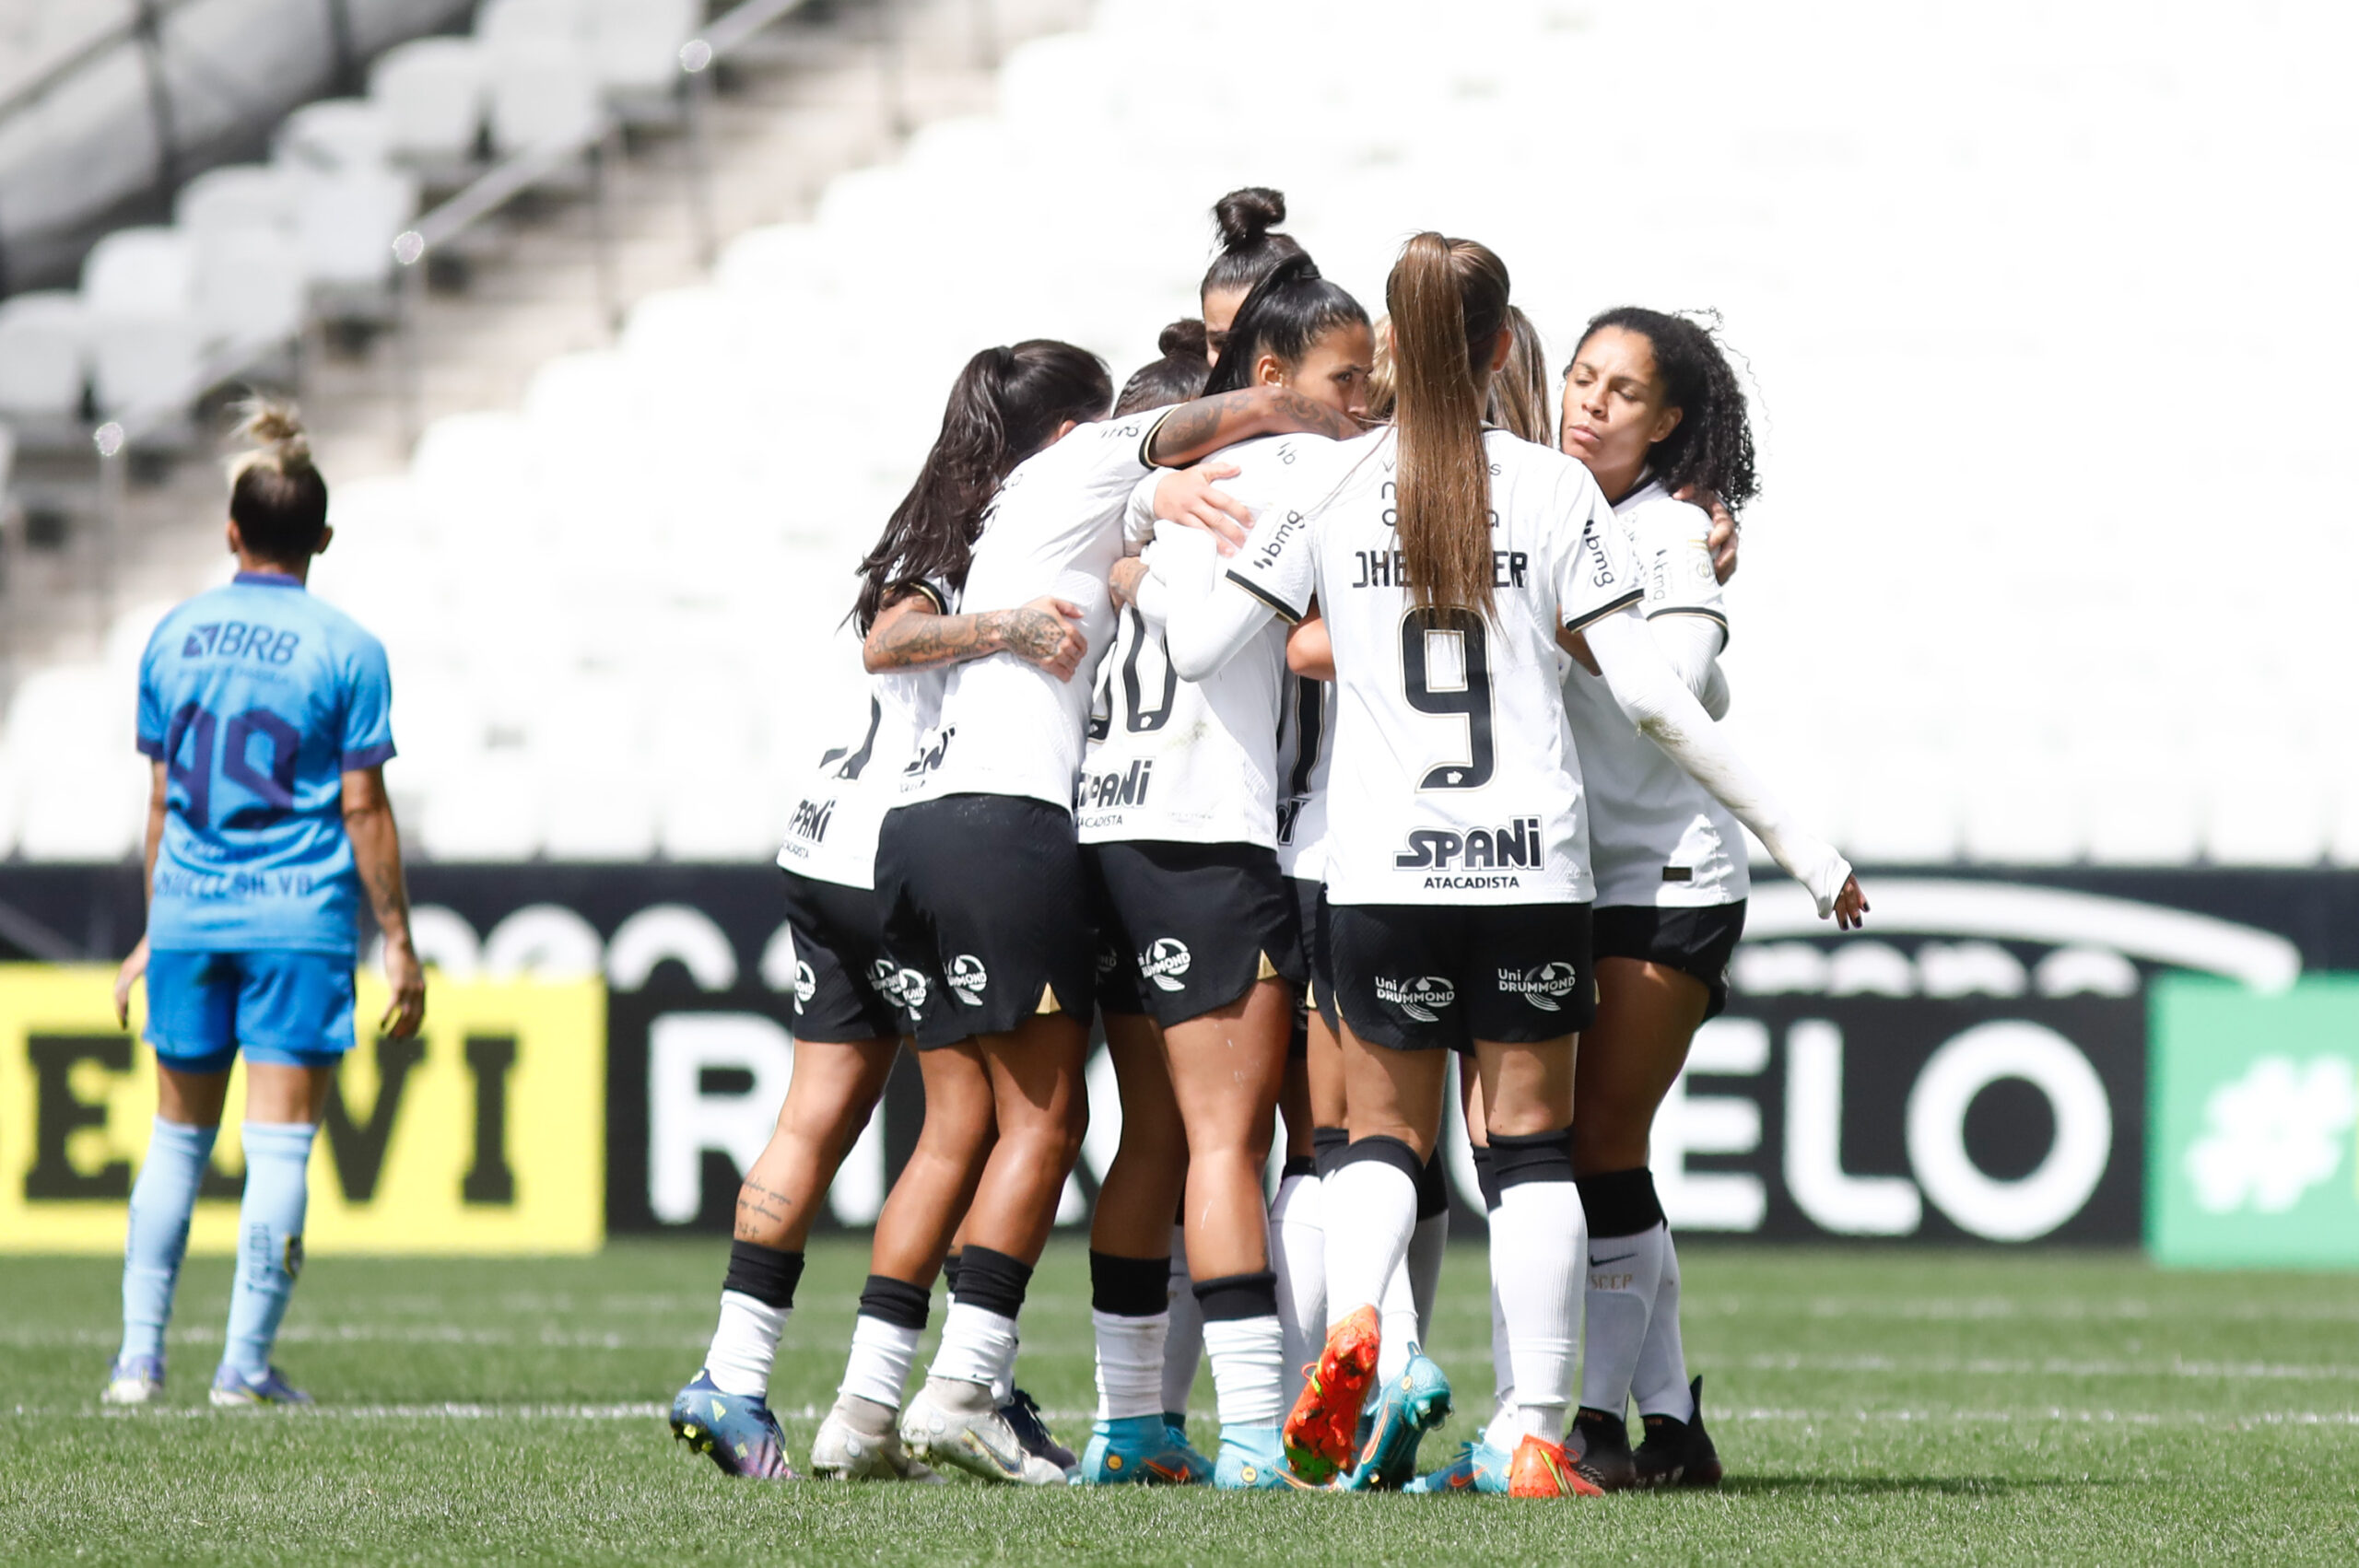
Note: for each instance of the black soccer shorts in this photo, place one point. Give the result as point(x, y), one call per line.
point(1696, 939)
point(846, 991)
point(1184, 929)
point(1435, 977)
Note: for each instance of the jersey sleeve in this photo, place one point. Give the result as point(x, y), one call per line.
point(1138, 513)
point(368, 708)
point(152, 717)
point(1675, 557)
point(1595, 574)
point(1279, 564)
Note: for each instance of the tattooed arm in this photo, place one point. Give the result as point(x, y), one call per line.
point(908, 635)
point(1195, 430)
point(377, 851)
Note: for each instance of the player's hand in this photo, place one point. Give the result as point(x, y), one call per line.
point(133, 968)
point(1187, 496)
point(1046, 632)
point(1850, 906)
point(1722, 540)
point(1122, 582)
point(406, 1011)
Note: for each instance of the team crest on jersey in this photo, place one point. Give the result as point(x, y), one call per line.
point(806, 984)
point(1544, 988)
point(1108, 960)
point(1165, 961)
point(967, 978)
point(1422, 997)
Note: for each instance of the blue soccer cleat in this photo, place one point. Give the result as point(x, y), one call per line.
point(1142, 1450)
point(1252, 1459)
point(1414, 1403)
point(736, 1431)
point(1479, 1468)
point(233, 1389)
point(1022, 1413)
point(135, 1380)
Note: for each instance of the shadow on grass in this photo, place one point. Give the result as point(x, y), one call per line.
point(1902, 1486)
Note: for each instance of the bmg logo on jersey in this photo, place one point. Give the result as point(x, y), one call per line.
point(968, 979)
point(1165, 963)
point(1422, 997)
point(1544, 988)
point(236, 640)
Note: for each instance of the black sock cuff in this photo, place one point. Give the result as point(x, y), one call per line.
point(1532, 1157)
point(1327, 1146)
point(1383, 1151)
point(1298, 1166)
point(1621, 1204)
point(765, 1273)
point(1129, 1287)
point(950, 1273)
point(992, 1281)
point(1235, 1296)
point(892, 1301)
point(1485, 1178)
point(1433, 1193)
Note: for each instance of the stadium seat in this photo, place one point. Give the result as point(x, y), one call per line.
point(541, 94)
point(234, 198)
point(43, 357)
point(634, 45)
point(147, 339)
point(334, 134)
point(432, 93)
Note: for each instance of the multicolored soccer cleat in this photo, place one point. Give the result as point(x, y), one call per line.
point(1022, 1413)
point(135, 1380)
point(1319, 1431)
point(1679, 1453)
point(1252, 1459)
point(1542, 1469)
point(1413, 1404)
point(1140, 1450)
point(1479, 1468)
point(736, 1430)
point(954, 1424)
point(233, 1389)
point(1600, 1446)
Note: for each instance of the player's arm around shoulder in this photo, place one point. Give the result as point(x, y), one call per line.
point(377, 854)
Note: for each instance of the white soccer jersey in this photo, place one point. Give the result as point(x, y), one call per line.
point(1655, 835)
point(832, 837)
point(1009, 728)
point(1454, 778)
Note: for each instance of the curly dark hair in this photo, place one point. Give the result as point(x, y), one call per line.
point(1712, 447)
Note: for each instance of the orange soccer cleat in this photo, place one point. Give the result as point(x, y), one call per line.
point(1542, 1469)
point(1324, 1427)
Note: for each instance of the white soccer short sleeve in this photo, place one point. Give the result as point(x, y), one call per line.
point(1594, 574)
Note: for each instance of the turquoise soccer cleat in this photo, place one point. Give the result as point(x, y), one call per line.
point(1142, 1450)
point(1479, 1468)
point(1252, 1459)
point(734, 1431)
point(1414, 1403)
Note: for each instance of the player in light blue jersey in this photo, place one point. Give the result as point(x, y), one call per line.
point(267, 716)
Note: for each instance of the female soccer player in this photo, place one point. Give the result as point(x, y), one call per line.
point(847, 1023)
point(1250, 248)
point(1446, 558)
point(978, 873)
point(1651, 407)
point(1198, 953)
point(267, 716)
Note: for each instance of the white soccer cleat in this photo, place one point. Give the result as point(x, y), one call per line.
point(953, 1423)
point(841, 1452)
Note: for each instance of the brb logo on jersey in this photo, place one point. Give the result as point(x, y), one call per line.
point(1422, 997)
point(1544, 988)
point(967, 977)
point(1165, 961)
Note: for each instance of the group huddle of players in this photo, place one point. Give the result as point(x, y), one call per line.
point(1315, 715)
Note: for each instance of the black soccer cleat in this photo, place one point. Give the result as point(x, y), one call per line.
point(1679, 1453)
point(1599, 1447)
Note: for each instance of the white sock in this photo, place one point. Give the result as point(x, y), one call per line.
point(977, 1347)
point(1427, 1244)
point(1248, 1370)
point(1130, 1365)
point(745, 1344)
point(1660, 1382)
point(1003, 1383)
point(1502, 1365)
point(1364, 1255)
point(1396, 1315)
point(1536, 1258)
point(1184, 1346)
point(1298, 1257)
point(882, 1354)
point(1624, 1272)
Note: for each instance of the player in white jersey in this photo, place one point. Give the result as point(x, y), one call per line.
point(1446, 559)
point(1197, 954)
point(978, 873)
point(847, 996)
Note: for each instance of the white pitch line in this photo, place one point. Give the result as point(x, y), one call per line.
point(1980, 1366)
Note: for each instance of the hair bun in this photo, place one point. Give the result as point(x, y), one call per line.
point(275, 428)
point(1246, 216)
point(1182, 338)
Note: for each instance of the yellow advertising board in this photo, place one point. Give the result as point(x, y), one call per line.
point(486, 1134)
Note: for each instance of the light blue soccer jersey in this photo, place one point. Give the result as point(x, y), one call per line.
point(259, 698)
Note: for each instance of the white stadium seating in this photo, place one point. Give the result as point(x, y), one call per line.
point(1992, 604)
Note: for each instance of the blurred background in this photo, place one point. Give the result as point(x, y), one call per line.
point(622, 324)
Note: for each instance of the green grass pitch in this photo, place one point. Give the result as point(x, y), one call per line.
point(1895, 1406)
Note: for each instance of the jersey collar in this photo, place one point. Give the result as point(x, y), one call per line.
point(269, 579)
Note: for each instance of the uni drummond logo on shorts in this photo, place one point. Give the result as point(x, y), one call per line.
point(1544, 988)
point(1165, 961)
point(903, 987)
point(1422, 997)
point(806, 984)
point(967, 978)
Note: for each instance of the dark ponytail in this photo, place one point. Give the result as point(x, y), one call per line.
point(1289, 309)
point(1711, 447)
point(1248, 248)
point(1176, 377)
point(1004, 407)
point(1448, 304)
point(277, 496)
